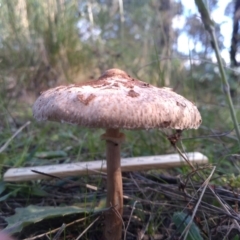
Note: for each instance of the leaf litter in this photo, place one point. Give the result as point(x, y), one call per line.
point(155, 207)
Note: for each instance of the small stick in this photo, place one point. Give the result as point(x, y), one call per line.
point(54, 230)
point(59, 232)
point(87, 228)
point(133, 208)
point(13, 136)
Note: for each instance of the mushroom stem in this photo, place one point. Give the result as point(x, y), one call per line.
point(113, 218)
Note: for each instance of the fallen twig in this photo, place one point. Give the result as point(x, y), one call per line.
point(13, 136)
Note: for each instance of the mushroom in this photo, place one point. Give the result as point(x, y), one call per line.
point(114, 101)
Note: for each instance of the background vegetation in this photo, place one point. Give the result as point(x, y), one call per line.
point(47, 43)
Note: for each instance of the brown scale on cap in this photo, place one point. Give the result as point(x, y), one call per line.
point(87, 100)
point(114, 72)
point(133, 94)
point(123, 78)
point(166, 124)
point(181, 104)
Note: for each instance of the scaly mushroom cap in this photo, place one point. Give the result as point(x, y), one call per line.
point(117, 100)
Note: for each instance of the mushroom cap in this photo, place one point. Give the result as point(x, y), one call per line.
point(117, 100)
